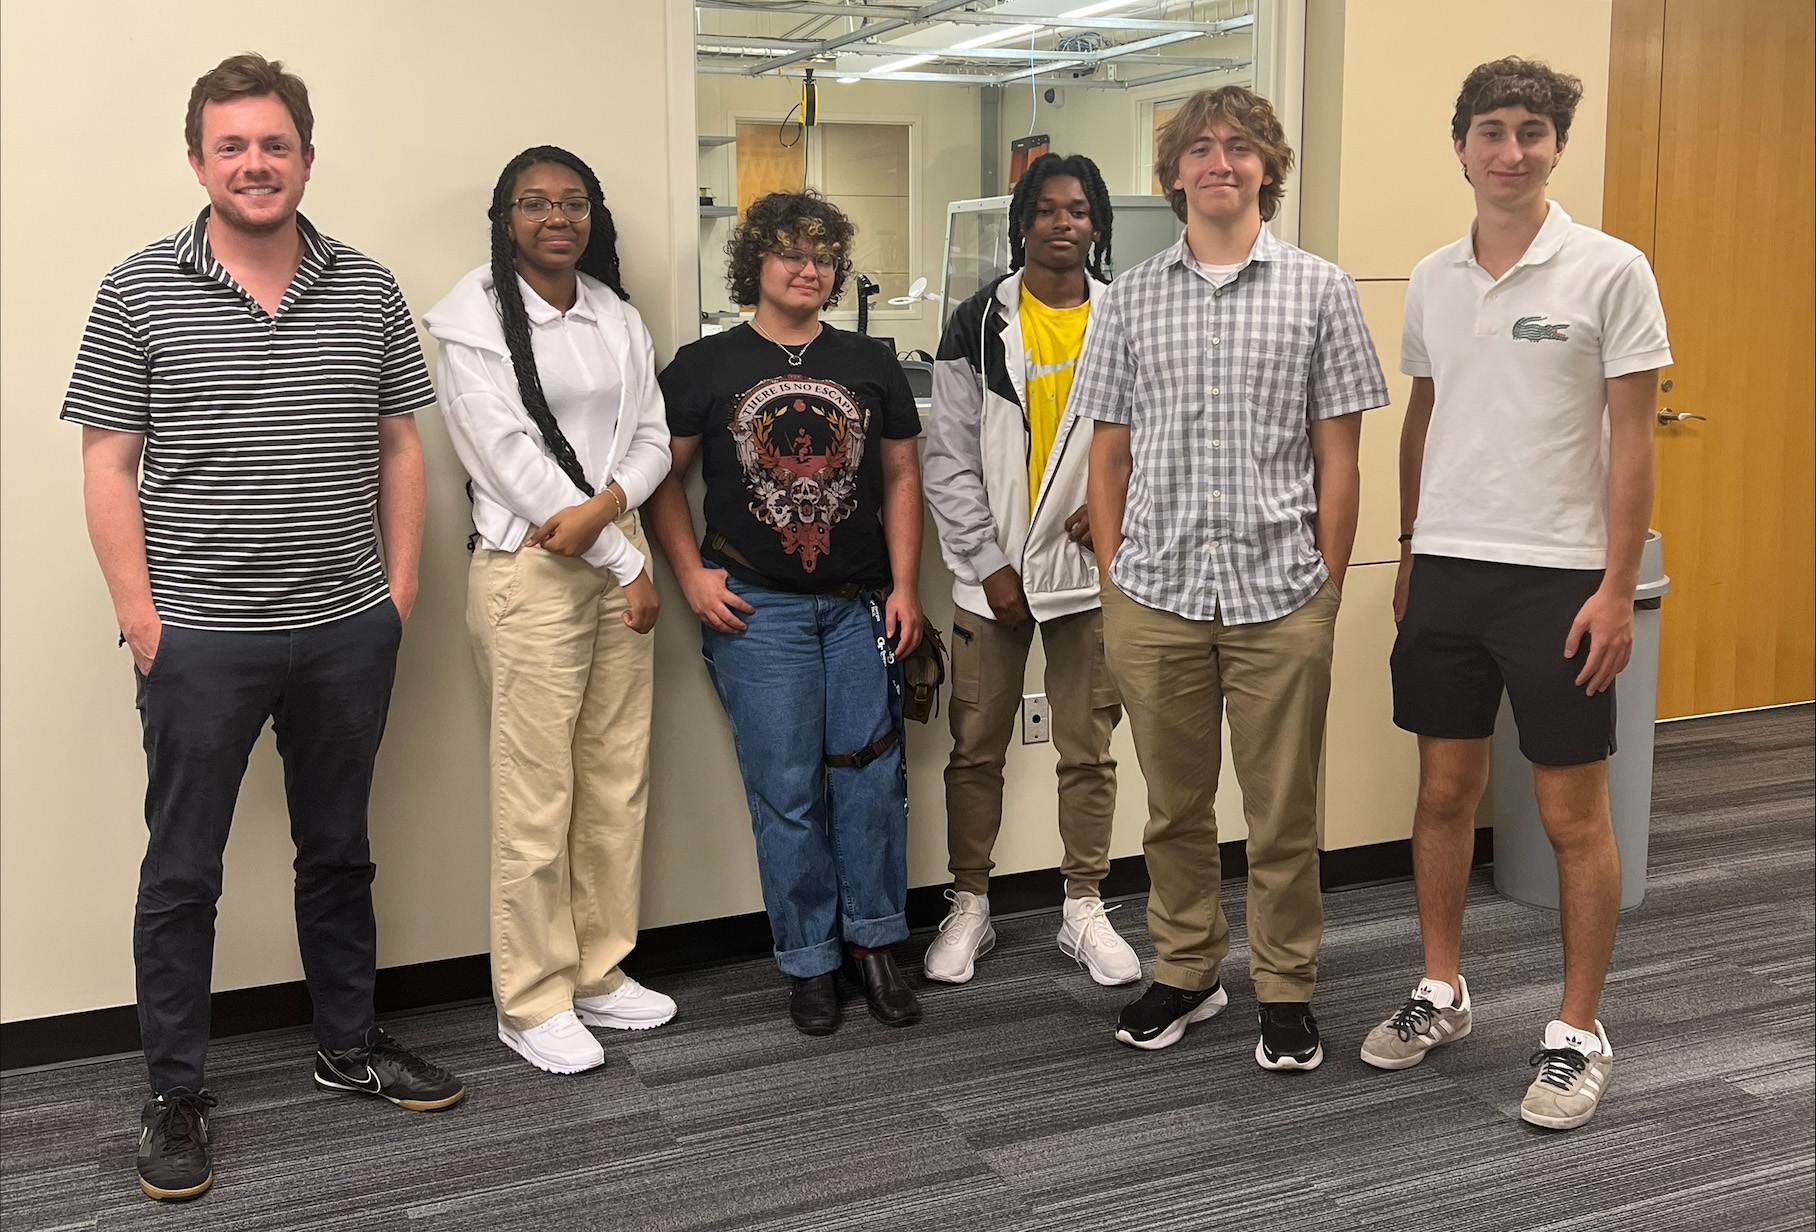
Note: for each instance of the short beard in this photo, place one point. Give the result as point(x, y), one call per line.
point(237, 221)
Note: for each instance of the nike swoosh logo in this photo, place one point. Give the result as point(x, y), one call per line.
point(370, 1083)
point(1036, 371)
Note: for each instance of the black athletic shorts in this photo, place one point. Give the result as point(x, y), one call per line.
point(1473, 627)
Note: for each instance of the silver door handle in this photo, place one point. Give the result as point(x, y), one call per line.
point(1667, 417)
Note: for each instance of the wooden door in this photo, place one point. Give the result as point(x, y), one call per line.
point(1711, 126)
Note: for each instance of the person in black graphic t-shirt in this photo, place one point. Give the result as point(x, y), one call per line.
point(806, 590)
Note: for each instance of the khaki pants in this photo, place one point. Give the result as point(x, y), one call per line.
point(989, 662)
point(1175, 676)
point(570, 689)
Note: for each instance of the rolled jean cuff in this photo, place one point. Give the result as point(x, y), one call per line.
point(1284, 988)
point(874, 934)
point(812, 960)
point(1175, 976)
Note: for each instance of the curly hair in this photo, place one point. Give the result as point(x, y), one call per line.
point(774, 224)
point(1027, 198)
point(1514, 82)
point(1243, 110)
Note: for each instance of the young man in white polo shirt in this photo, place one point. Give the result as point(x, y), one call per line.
point(1525, 485)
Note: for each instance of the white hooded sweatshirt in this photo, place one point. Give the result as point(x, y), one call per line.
point(516, 481)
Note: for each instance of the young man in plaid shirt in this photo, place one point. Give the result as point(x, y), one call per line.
point(1226, 377)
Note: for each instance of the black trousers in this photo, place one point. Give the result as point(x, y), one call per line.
point(326, 690)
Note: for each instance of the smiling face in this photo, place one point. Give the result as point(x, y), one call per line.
point(799, 279)
point(1060, 233)
point(1221, 174)
point(252, 162)
point(1509, 154)
point(554, 245)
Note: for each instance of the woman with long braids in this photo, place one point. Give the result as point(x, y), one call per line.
point(805, 586)
point(548, 384)
point(1006, 482)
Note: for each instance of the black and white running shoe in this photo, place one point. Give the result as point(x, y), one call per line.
point(388, 1070)
point(1289, 1036)
point(1160, 1015)
point(173, 1146)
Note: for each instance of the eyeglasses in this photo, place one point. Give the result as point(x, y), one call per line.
point(538, 209)
point(794, 261)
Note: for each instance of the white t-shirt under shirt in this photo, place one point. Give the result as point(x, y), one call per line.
point(1516, 458)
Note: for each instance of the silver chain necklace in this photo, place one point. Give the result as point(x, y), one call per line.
point(795, 354)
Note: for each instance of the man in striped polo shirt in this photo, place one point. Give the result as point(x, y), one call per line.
point(245, 389)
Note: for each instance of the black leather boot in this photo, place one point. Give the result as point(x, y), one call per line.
point(886, 989)
point(813, 1003)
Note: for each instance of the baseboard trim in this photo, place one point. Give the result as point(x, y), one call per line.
point(65, 1038)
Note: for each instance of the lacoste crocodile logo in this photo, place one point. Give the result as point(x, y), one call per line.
point(1535, 329)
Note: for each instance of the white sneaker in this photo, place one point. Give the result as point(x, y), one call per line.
point(1086, 935)
point(560, 1045)
point(629, 1007)
point(965, 936)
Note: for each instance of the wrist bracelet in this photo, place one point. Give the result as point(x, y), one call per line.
point(1405, 538)
point(608, 491)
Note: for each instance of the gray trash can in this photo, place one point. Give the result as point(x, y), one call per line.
point(1524, 868)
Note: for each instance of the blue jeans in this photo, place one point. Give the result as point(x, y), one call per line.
point(807, 679)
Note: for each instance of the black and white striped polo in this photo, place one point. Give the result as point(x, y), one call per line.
point(260, 477)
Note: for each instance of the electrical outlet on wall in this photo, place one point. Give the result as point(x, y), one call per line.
point(1037, 719)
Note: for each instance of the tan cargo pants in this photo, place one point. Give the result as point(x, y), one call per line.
point(989, 662)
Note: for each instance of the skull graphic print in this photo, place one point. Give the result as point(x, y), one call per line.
point(800, 440)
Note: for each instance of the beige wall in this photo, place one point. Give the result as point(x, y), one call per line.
point(413, 121)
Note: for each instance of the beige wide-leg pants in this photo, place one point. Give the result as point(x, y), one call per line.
point(570, 687)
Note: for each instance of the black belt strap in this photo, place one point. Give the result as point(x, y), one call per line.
point(845, 590)
point(864, 756)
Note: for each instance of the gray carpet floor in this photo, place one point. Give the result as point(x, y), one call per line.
point(1012, 1108)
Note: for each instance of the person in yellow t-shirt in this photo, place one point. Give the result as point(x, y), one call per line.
point(1053, 337)
point(1004, 474)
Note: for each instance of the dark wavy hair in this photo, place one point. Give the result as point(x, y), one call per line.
point(599, 260)
point(1513, 82)
point(775, 223)
point(1027, 197)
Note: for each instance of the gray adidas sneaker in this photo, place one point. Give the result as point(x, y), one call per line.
point(1574, 1071)
point(1433, 1015)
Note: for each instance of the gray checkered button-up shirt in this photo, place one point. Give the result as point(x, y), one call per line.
point(1219, 387)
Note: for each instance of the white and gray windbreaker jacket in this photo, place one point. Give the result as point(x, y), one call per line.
point(975, 469)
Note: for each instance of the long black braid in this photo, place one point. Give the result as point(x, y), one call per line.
point(599, 260)
point(1027, 197)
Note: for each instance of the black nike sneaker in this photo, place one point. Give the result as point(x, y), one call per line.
point(1161, 1014)
point(1289, 1037)
point(387, 1069)
point(173, 1145)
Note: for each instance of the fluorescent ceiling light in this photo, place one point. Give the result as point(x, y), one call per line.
point(1094, 10)
point(1001, 36)
point(896, 66)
